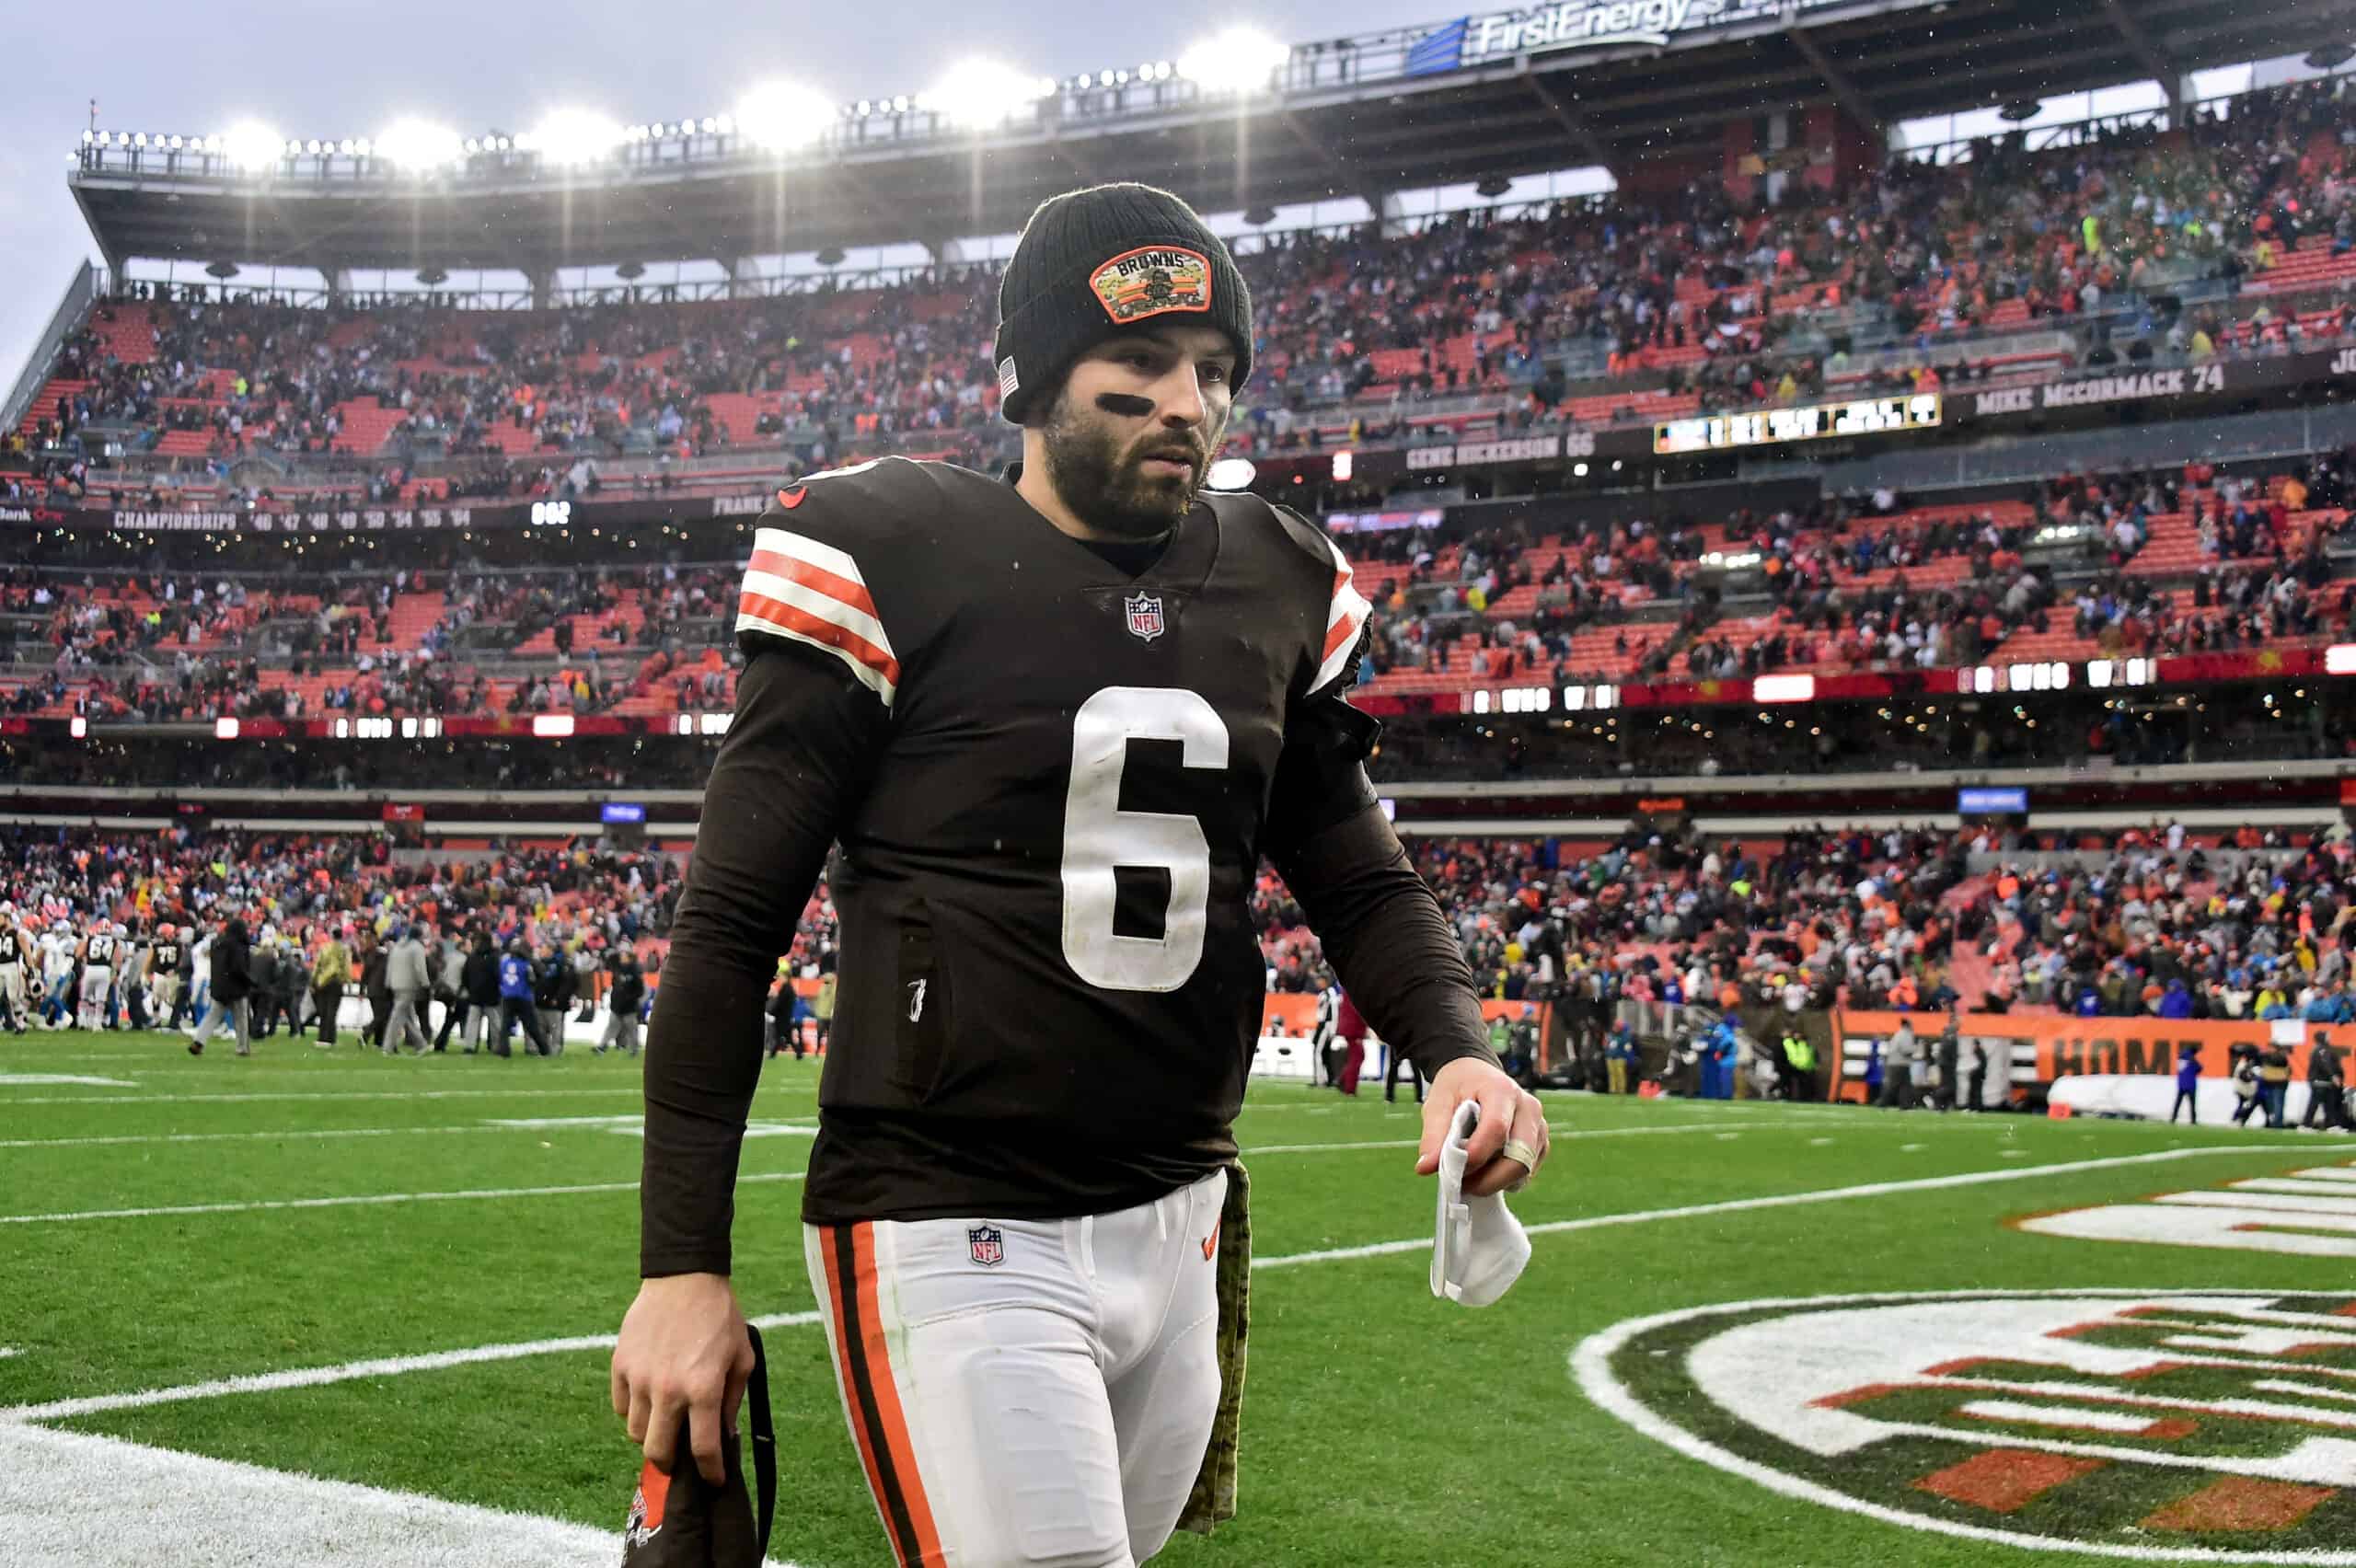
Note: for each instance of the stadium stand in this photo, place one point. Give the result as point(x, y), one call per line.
point(2231, 240)
point(1577, 316)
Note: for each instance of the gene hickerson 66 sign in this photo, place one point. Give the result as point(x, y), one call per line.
point(2170, 1425)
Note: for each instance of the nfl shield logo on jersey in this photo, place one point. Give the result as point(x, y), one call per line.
point(1145, 615)
point(986, 1245)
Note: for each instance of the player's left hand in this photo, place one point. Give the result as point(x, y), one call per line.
point(1509, 1112)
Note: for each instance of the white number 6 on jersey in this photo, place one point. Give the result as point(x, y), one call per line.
point(1099, 836)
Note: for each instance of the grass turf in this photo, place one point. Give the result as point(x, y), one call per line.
point(1381, 1426)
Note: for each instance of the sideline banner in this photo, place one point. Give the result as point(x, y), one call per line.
point(2045, 1047)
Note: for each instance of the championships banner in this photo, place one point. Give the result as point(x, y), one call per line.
point(457, 517)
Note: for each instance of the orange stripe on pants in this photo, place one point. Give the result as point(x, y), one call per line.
point(884, 1446)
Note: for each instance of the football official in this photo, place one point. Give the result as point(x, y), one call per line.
point(1054, 723)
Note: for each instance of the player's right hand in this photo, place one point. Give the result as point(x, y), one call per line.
point(682, 1353)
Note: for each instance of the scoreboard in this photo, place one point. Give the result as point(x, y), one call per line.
point(1815, 421)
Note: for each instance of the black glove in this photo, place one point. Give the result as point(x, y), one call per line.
point(681, 1520)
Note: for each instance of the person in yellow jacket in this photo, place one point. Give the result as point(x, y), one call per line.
point(1800, 1056)
point(331, 972)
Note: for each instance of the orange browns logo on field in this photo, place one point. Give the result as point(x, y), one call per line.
point(1153, 280)
point(2185, 1425)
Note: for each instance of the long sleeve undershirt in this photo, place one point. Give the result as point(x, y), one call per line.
point(795, 760)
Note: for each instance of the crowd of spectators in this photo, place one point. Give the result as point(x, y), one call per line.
point(2148, 922)
point(1738, 301)
point(1850, 582)
point(2151, 923)
point(351, 886)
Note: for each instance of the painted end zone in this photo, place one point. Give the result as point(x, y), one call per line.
point(2152, 1425)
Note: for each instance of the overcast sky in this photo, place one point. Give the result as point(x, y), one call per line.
point(334, 68)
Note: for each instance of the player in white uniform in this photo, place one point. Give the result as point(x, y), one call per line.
point(56, 970)
point(16, 952)
point(100, 950)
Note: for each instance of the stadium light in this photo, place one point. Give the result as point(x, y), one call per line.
point(572, 136)
point(779, 115)
point(417, 146)
point(981, 93)
point(1240, 60)
point(1232, 474)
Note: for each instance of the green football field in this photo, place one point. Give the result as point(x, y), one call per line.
point(1750, 1334)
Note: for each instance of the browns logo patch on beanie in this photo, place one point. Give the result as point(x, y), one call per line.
point(1096, 263)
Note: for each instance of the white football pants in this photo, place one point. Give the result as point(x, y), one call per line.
point(97, 979)
point(1027, 1394)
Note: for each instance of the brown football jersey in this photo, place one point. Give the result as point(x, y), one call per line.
point(1050, 985)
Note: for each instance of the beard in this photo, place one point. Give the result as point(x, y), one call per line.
point(1101, 474)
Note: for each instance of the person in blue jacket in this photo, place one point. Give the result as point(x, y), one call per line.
point(2188, 1082)
point(516, 1003)
point(1717, 1059)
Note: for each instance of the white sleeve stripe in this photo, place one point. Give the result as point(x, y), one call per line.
point(824, 606)
point(1331, 667)
point(1343, 621)
point(872, 678)
point(1348, 605)
point(801, 546)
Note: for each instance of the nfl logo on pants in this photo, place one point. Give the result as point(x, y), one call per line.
point(986, 1245)
point(1145, 615)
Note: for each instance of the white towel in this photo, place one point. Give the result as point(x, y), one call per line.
point(1480, 1248)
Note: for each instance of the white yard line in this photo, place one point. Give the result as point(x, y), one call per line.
point(70, 1497)
point(527, 1093)
point(242, 1137)
point(318, 1376)
point(1559, 1133)
point(616, 1124)
point(387, 1366)
point(516, 1123)
point(354, 1200)
point(1781, 1200)
point(39, 1080)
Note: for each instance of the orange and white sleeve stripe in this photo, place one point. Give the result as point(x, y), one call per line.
point(1344, 618)
point(798, 588)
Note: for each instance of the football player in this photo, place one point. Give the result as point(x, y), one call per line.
point(16, 950)
point(1054, 723)
point(98, 951)
point(163, 975)
point(57, 975)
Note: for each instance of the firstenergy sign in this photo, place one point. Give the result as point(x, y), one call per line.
point(2159, 1426)
point(1582, 24)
